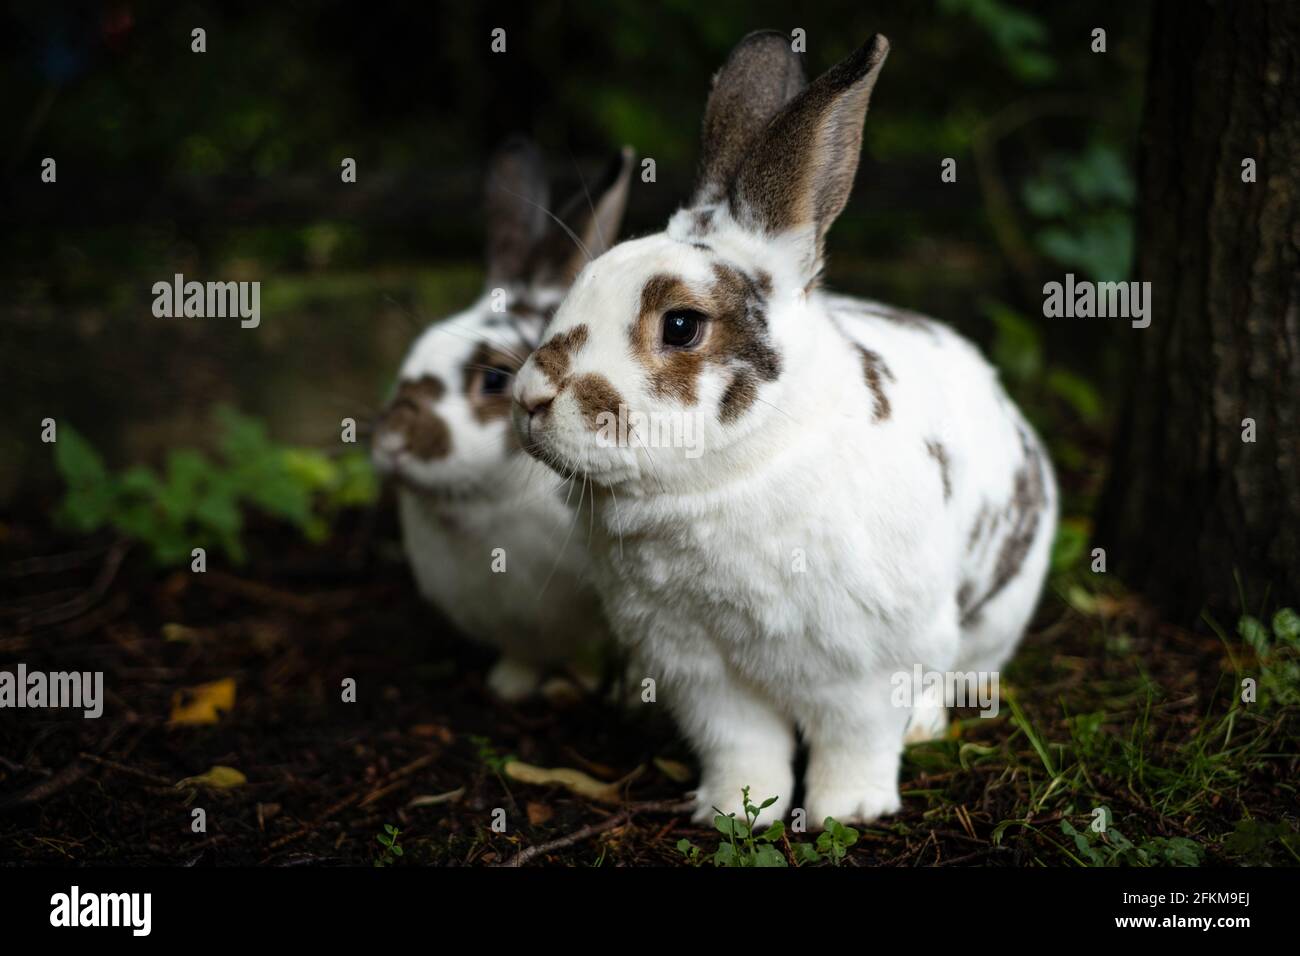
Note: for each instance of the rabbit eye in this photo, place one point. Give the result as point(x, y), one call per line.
point(494, 381)
point(682, 328)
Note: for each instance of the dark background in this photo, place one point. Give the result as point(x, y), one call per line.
point(225, 165)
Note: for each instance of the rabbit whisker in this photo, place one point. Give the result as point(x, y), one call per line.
point(558, 221)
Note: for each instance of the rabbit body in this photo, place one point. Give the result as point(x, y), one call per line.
point(486, 528)
point(788, 592)
point(865, 498)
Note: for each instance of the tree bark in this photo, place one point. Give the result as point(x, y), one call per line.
point(1192, 514)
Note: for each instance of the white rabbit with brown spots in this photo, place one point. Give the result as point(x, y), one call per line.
point(485, 527)
point(867, 497)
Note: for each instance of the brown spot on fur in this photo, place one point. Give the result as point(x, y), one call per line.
point(982, 519)
point(595, 395)
point(740, 394)
point(411, 415)
point(876, 372)
point(554, 356)
point(1028, 497)
point(940, 454)
point(735, 308)
point(741, 301)
point(964, 595)
point(528, 309)
point(702, 224)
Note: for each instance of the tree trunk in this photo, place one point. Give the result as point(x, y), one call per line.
point(1190, 507)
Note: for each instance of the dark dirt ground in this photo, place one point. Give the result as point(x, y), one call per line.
point(324, 777)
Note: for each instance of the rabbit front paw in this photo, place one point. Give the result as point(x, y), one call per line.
point(860, 804)
point(513, 680)
point(723, 794)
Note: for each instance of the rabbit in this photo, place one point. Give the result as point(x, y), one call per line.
point(864, 496)
point(465, 489)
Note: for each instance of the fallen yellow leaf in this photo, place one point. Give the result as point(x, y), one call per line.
point(577, 781)
point(218, 778)
point(200, 705)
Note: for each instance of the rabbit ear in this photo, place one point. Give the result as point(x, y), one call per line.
point(797, 175)
point(761, 75)
point(516, 198)
point(587, 227)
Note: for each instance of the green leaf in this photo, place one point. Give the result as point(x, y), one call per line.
point(773, 832)
point(1069, 545)
point(1017, 343)
point(1253, 633)
point(1077, 392)
point(77, 461)
point(769, 856)
point(806, 853)
point(726, 856)
point(729, 826)
point(1286, 625)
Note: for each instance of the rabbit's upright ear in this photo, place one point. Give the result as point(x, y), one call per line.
point(797, 175)
point(515, 198)
point(586, 227)
point(761, 75)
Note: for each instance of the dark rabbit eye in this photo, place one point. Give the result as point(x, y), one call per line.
point(682, 328)
point(494, 381)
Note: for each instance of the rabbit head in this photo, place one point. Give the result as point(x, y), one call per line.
point(446, 430)
point(700, 336)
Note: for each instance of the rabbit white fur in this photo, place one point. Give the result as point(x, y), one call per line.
point(867, 499)
point(485, 527)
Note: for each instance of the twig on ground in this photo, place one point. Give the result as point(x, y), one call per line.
point(84, 601)
point(618, 819)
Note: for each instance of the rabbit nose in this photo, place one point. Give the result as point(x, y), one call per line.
point(536, 405)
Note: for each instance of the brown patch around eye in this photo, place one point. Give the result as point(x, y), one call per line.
point(489, 407)
point(876, 373)
point(594, 395)
point(940, 454)
point(735, 308)
point(410, 415)
point(554, 357)
point(672, 374)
